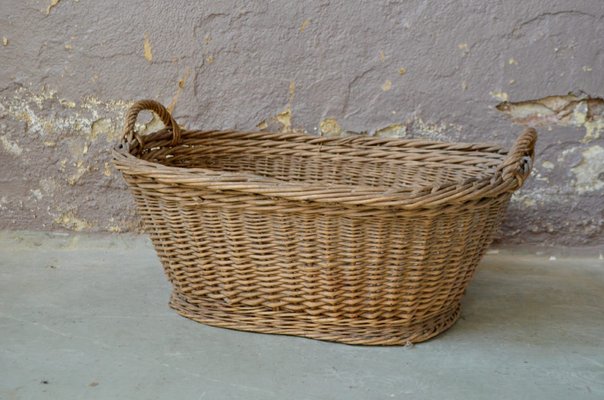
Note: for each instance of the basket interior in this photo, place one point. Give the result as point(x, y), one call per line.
point(389, 165)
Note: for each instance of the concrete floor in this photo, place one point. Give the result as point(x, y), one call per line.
point(86, 317)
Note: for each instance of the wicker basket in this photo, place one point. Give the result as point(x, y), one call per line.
point(360, 240)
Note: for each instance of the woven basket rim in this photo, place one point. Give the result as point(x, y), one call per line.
point(472, 189)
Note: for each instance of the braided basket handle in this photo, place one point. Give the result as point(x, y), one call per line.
point(151, 105)
point(519, 161)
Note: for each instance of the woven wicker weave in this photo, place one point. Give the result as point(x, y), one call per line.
point(358, 240)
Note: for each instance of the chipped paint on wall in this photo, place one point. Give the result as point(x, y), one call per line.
point(330, 127)
point(501, 96)
point(386, 86)
point(102, 127)
point(11, 147)
point(29, 106)
point(538, 198)
point(464, 47)
point(525, 200)
point(292, 90)
point(282, 121)
point(305, 24)
point(285, 119)
point(53, 4)
point(392, 131)
point(179, 88)
point(537, 175)
point(567, 110)
point(36, 194)
point(114, 228)
point(70, 221)
point(147, 51)
point(48, 186)
point(90, 123)
point(80, 170)
point(439, 131)
point(67, 103)
point(4, 41)
point(589, 173)
point(106, 169)
point(548, 165)
point(593, 128)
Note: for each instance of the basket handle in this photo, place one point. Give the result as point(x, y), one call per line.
point(520, 158)
point(151, 105)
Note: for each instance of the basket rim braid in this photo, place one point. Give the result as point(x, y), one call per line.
point(508, 176)
point(356, 239)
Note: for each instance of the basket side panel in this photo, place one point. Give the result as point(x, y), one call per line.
point(301, 269)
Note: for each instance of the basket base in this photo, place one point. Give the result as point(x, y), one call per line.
point(350, 331)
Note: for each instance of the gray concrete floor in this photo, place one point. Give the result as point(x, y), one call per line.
point(86, 317)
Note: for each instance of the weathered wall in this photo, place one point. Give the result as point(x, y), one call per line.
point(417, 68)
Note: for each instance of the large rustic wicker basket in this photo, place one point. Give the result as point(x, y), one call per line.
point(359, 240)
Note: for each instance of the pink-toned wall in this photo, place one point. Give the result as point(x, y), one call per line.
point(436, 69)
